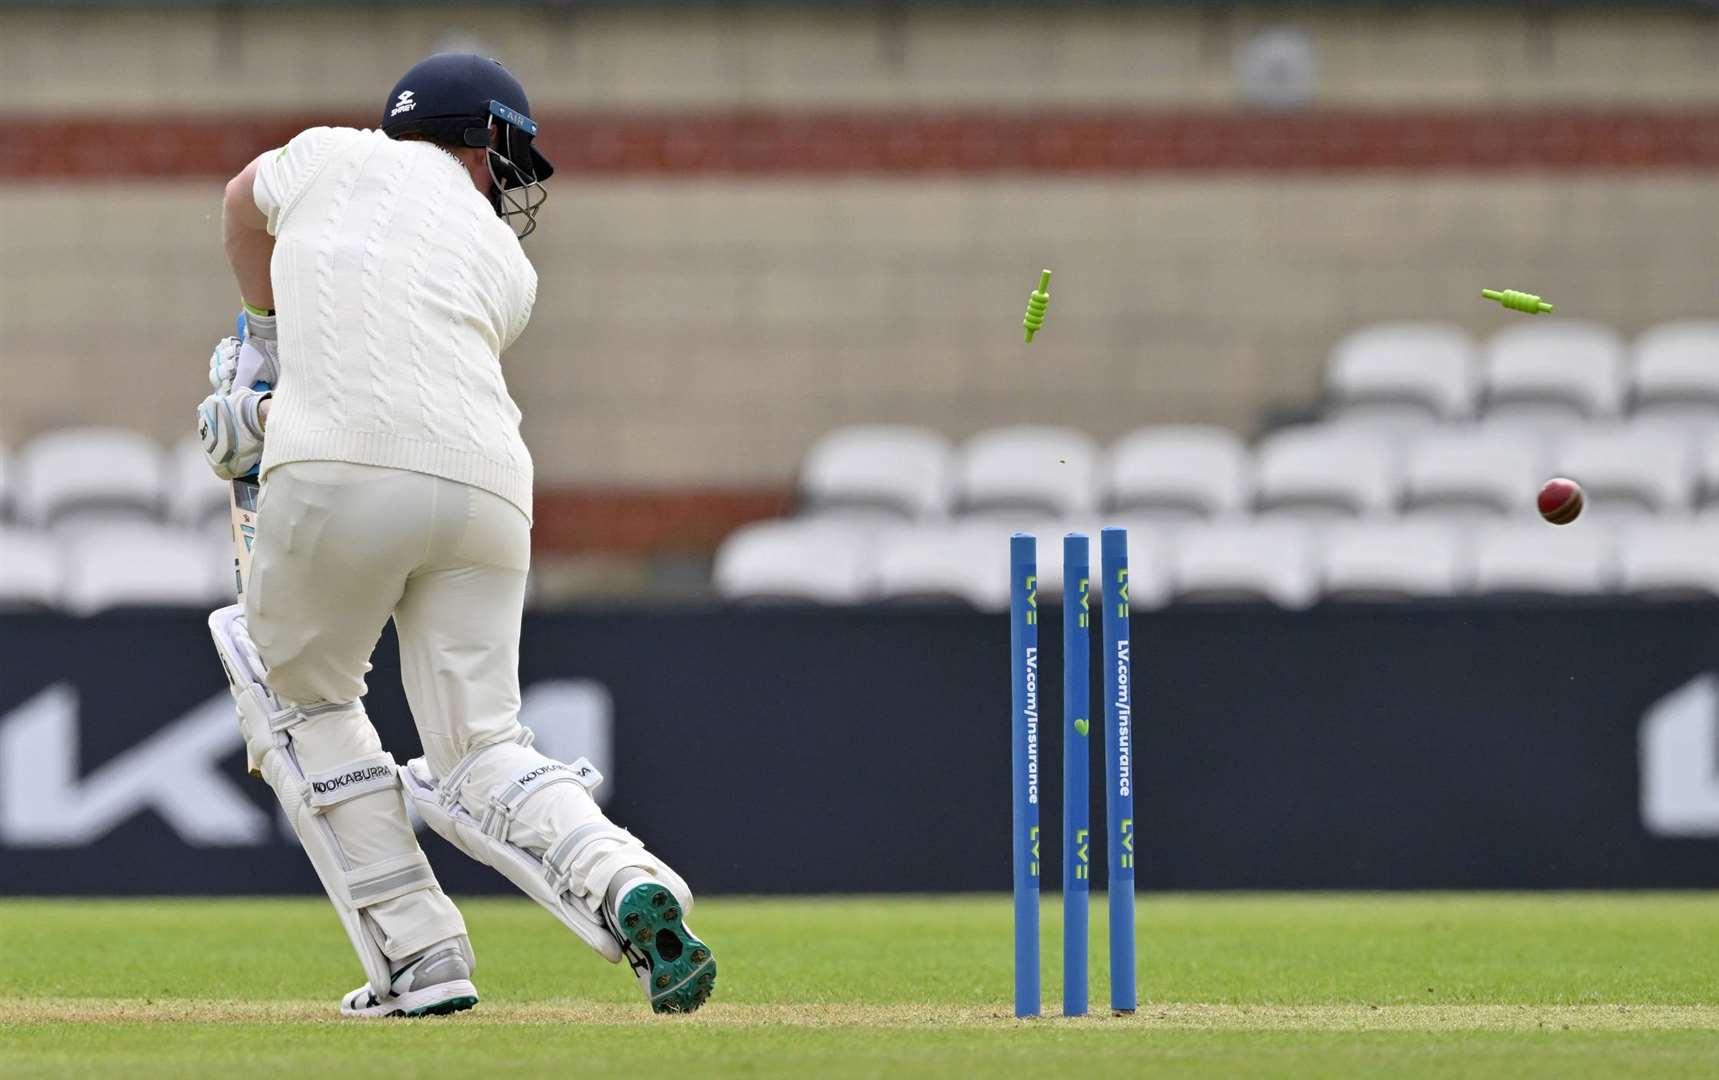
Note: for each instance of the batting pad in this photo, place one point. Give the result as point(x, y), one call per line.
point(267, 725)
point(532, 818)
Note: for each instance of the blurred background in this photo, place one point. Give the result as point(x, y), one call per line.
point(783, 417)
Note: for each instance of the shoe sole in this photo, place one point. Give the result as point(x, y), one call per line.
point(444, 1008)
point(450, 997)
point(682, 971)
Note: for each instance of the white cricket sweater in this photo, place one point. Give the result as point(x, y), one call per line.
point(397, 288)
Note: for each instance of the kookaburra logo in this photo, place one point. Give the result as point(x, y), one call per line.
point(403, 103)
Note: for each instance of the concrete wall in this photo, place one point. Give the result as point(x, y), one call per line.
point(707, 332)
point(762, 55)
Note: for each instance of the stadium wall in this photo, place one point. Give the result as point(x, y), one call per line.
point(263, 56)
point(707, 332)
point(705, 317)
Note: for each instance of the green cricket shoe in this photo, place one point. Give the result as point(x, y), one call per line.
point(675, 969)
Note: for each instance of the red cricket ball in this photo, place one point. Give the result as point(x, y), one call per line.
point(1561, 500)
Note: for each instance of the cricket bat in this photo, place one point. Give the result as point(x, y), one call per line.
point(246, 489)
point(244, 509)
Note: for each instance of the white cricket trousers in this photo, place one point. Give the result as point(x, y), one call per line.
point(342, 548)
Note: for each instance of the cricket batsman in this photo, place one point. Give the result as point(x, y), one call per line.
point(383, 277)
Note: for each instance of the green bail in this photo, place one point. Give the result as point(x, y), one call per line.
point(1518, 301)
point(1036, 304)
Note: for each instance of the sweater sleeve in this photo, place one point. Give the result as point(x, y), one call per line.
point(284, 174)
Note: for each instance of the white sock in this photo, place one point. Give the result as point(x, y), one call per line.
point(619, 887)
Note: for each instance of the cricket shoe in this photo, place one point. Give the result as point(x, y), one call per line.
point(435, 984)
point(675, 969)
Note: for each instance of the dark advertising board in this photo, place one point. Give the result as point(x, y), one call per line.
point(802, 750)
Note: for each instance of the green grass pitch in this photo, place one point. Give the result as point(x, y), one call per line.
point(1304, 985)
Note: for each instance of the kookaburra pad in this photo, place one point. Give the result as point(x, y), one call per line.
point(532, 818)
point(268, 727)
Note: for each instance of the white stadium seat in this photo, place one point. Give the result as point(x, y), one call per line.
point(1049, 535)
point(1045, 471)
point(1244, 561)
point(883, 469)
point(826, 562)
point(1148, 562)
point(1473, 474)
point(139, 565)
point(1707, 472)
point(945, 561)
point(217, 539)
point(195, 496)
point(1633, 471)
point(1324, 472)
point(1553, 371)
point(1178, 473)
point(7, 485)
point(1394, 560)
point(1403, 372)
point(82, 476)
point(1675, 374)
point(1147, 587)
point(969, 561)
point(1531, 558)
point(1667, 560)
point(30, 573)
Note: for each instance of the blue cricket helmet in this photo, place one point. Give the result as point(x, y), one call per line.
point(471, 100)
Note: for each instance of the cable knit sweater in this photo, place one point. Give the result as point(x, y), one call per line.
point(398, 288)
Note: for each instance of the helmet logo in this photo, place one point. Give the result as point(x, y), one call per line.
point(403, 103)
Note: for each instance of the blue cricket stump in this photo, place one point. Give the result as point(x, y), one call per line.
point(1076, 783)
point(1024, 730)
point(1119, 765)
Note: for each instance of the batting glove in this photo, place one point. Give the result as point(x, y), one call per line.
point(250, 361)
point(232, 432)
